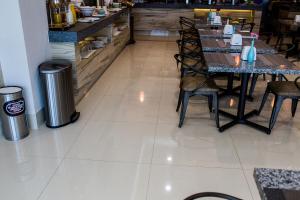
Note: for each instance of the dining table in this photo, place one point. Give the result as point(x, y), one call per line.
point(218, 34)
point(223, 45)
point(232, 63)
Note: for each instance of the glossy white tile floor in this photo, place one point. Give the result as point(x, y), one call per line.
point(127, 146)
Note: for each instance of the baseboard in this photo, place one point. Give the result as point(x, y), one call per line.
point(36, 120)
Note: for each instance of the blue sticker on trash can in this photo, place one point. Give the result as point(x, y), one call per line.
point(15, 107)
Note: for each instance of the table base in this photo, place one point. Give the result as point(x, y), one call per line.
point(241, 117)
point(243, 120)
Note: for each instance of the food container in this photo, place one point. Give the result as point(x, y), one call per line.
point(98, 44)
point(87, 11)
point(102, 38)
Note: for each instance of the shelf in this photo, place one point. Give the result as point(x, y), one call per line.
point(82, 30)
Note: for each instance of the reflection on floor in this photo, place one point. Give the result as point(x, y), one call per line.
point(127, 146)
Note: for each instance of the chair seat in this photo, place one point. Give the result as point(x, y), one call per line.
point(194, 64)
point(284, 88)
point(198, 84)
point(191, 49)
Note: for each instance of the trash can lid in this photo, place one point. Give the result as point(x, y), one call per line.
point(10, 90)
point(54, 66)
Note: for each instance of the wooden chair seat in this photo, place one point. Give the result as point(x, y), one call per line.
point(198, 84)
point(284, 88)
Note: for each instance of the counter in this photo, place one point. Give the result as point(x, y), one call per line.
point(277, 184)
point(197, 5)
point(87, 70)
point(160, 21)
point(82, 30)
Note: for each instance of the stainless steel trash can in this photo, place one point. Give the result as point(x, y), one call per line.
point(56, 76)
point(13, 119)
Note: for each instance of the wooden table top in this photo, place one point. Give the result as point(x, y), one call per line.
point(223, 45)
point(218, 34)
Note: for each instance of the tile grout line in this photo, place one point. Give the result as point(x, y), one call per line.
point(155, 136)
point(242, 167)
point(50, 179)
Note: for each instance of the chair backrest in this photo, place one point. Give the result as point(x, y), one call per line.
point(297, 83)
point(211, 194)
point(186, 23)
point(248, 26)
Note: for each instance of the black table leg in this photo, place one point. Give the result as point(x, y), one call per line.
point(230, 90)
point(241, 118)
point(131, 26)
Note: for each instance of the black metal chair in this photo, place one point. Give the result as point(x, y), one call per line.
point(247, 27)
point(255, 76)
point(282, 90)
point(211, 194)
point(198, 84)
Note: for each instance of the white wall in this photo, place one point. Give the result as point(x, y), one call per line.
point(23, 46)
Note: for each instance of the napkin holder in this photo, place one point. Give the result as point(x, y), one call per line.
point(228, 29)
point(297, 18)
point(236, 40)
point(217, 20)
point(245, 51)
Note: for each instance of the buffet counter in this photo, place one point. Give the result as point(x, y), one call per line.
point(197, 5)
point(160, 21)
point(91, 47)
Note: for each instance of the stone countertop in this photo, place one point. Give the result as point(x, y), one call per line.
point(277, 184)
point(82, 30)
point(196, 5)
point(265, 63)
point(223, 45)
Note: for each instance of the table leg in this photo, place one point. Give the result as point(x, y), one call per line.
point(230, 90)
point(241, 118)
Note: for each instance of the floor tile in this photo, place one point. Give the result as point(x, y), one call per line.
point(177, 183)
point(94, 180)
point(127, 109)
point(256, 149)
point(252, 184)
point(194, 146)
point(111, 141)
point(44, 142)
point(149, 86)
point(25, 177)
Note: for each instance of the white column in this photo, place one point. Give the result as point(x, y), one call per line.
point(23, 46)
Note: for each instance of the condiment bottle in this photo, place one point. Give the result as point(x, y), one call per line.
point(72, 8)
point(251, 55)
point(69, 16)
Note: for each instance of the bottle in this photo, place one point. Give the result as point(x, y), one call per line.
point(72, 8)
point(55, 12)
point(69, 16)
point(209, 15)
point(251, 55)
point(64, 10)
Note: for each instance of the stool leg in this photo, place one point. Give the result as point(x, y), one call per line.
point(253, 84)
point(179, 100)
point(185, 101)
point(216, 108)
point(265, 97)
point(294, 106)
point(275, 111)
